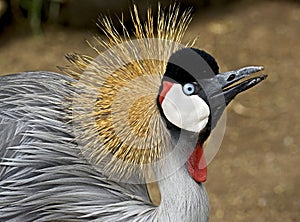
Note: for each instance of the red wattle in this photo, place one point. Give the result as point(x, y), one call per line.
point(197, 164)
point(166, 87)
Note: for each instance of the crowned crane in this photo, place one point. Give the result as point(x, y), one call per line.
point(82, 147)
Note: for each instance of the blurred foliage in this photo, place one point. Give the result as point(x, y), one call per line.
point(38, 10)
point(33, 12)
point(65, 12)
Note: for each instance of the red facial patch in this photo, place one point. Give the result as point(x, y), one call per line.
point(166, 87)
point(197, 164)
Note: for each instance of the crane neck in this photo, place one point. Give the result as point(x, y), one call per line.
point(182, 198)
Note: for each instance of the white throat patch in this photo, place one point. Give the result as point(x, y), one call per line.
point(186, 112)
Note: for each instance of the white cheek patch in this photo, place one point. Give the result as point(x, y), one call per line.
point(186, 112)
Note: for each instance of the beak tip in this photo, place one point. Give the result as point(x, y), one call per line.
point(256, 69)
point(263, 77)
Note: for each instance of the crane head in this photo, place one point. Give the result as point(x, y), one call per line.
point(193, 95)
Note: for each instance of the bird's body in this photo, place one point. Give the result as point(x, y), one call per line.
point(44, 176)
point(82, 148)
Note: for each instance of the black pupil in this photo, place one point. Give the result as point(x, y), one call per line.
point(190, 89)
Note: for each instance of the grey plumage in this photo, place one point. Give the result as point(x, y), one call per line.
point(44, 177)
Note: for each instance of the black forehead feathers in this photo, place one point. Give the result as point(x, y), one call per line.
point(209, 59)
point(190, 65)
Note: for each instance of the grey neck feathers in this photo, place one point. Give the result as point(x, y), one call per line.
point(182, 199)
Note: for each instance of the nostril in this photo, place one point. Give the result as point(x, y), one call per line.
point(231, 77)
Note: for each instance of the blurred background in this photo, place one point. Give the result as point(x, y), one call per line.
point(255, 175)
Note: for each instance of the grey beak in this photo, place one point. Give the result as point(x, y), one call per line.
point(220, 89)
point(226, 79)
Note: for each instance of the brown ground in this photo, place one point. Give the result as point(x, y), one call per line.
point(255, 175)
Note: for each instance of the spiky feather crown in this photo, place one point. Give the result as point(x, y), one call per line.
point(114, 110)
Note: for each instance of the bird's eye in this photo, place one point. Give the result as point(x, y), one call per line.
point(189, 89)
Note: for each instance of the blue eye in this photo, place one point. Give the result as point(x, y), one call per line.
point(189, 89)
